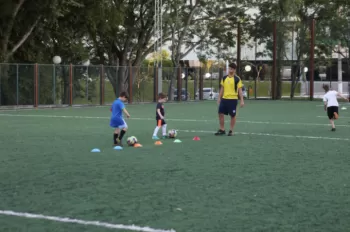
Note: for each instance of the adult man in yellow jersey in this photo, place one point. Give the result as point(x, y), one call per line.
point(231, 88)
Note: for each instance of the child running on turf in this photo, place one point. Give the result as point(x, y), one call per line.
point(160, 115)
point(117, 121)
point(331, 104)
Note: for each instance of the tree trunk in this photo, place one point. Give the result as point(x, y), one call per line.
point(123, 77)
point(4, 89)
point(279, 73)
point(295, 78)
point(112, 75)
point(280, 55)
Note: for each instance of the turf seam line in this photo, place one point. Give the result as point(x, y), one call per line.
point(82, 222)
point(266, 134)
point(173, 119)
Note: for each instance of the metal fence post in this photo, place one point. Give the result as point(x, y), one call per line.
point(312, 59)
point(102, 86)
point(274, 66)
point(17, 91)
point(35, 85)
point(54, 84)
point(130, 83)
point(70, 84)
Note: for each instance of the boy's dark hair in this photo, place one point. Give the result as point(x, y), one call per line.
point(123, 94)
point(325, 87)
point(233, 65)
point(162, 96)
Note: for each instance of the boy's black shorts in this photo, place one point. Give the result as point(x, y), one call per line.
point(331, 110)
point(160, 122)
point(228, 107)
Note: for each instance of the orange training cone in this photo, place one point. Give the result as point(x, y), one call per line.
point(196, 138)
point(158, 143)
point(137, 145)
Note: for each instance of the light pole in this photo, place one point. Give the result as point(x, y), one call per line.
point(207, 76)
point(86, 65)
point(248, 68)
point(56, 61)
point(305, 70)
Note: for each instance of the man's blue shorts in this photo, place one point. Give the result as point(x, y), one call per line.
point(118, 123)
point(228, 107)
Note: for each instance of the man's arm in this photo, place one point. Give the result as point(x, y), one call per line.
point(240, 93)
point(220, 94)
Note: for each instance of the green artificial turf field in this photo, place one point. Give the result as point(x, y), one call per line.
point(284, 170)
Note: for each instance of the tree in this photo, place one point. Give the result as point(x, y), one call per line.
point(25, 37)
point(334, 33)
point(18, 20)
point(291, 17)
point(122, 37)
point(201, 25)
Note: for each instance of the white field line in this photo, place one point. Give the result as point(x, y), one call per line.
point(172, 119)
point(340, 105)
point(201, 131)
point(82, 222)
point(272, 135)
point(340, 117)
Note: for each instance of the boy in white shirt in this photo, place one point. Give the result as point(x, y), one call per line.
point(331, 104)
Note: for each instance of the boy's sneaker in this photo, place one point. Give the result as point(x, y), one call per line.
point(220, 132)
point(230, 133)
point(155, 138)
point(118, 142)
point(164, 137)
point(333, 129)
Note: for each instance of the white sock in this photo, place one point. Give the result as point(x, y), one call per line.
point(156, 131)
point(164, 129)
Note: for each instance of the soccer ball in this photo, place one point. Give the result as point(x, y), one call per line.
point(172, 133)
point(131, 141)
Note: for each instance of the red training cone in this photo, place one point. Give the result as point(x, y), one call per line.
point(196, 138)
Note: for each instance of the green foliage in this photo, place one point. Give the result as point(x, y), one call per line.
point(114, 32)
point(219, 22)
point(294, 17)
point(163, 55)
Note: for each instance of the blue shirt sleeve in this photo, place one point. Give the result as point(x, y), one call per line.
point(121, 105)
point(117, 106)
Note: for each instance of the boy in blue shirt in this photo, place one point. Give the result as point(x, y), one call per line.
point(117, 121)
